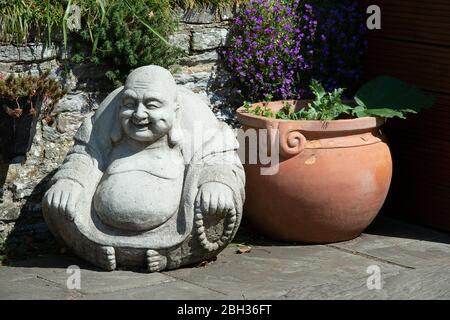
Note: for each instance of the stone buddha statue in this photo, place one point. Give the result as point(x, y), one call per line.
point(153, 179)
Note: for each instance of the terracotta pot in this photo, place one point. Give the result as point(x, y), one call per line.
point(332, 180)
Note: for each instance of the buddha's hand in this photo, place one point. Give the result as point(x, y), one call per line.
point(214, 198)
point(63, 197)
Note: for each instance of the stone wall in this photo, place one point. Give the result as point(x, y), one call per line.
point(201, 35)
point(22, 228)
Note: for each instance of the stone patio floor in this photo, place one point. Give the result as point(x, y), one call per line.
point(414, 263)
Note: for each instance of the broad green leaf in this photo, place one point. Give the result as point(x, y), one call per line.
point(382, 112)
point(388, 92)
point(360, 111)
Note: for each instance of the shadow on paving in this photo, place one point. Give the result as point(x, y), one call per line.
point(52, 261)
point(381, 226)
point(389, 227)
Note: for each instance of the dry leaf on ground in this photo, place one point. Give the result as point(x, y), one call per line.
point(243, 249)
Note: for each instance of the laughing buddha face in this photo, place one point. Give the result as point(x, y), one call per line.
point(149, 106)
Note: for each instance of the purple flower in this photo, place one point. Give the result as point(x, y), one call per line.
point(280, 45)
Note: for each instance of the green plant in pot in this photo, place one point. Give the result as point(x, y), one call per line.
point(334, 166)
point(24, 100)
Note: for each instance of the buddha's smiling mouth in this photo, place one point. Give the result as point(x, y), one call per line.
point(143, 125)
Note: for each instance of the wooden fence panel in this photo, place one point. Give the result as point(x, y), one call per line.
point(414, 45)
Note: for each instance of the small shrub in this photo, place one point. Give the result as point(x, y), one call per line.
point(35, 89)
point(129, 35)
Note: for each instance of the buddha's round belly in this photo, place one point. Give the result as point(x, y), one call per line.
point(137, 200)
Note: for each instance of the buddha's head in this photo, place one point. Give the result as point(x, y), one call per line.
point(149, 107)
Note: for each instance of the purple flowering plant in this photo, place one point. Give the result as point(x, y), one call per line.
point(273, 50)
point(340, 44)
point(279, 46)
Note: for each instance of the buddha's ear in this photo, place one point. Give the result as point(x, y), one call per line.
point(116, 127)
point(175, 134)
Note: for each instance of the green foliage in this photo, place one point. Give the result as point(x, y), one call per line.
point(326, 105)
point(390, 97)
point(247, 106)
point(126, 35)
point(287, 113)
point(22, 20)
point(385, 97)
point(35, 88)
point(361, 111)
point(262, 111)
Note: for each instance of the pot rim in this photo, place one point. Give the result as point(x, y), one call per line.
point(353, 124)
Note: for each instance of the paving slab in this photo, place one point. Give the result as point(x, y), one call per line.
point(401, 243)
point(92, 280)
point(275, 272)
point(417, 255)
point(387, 232)
point(425, 283)
point(174, 290)
point(19, 284)
point(421, 284)
point(34, 288)
point(336, 291)
point(14, 274)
